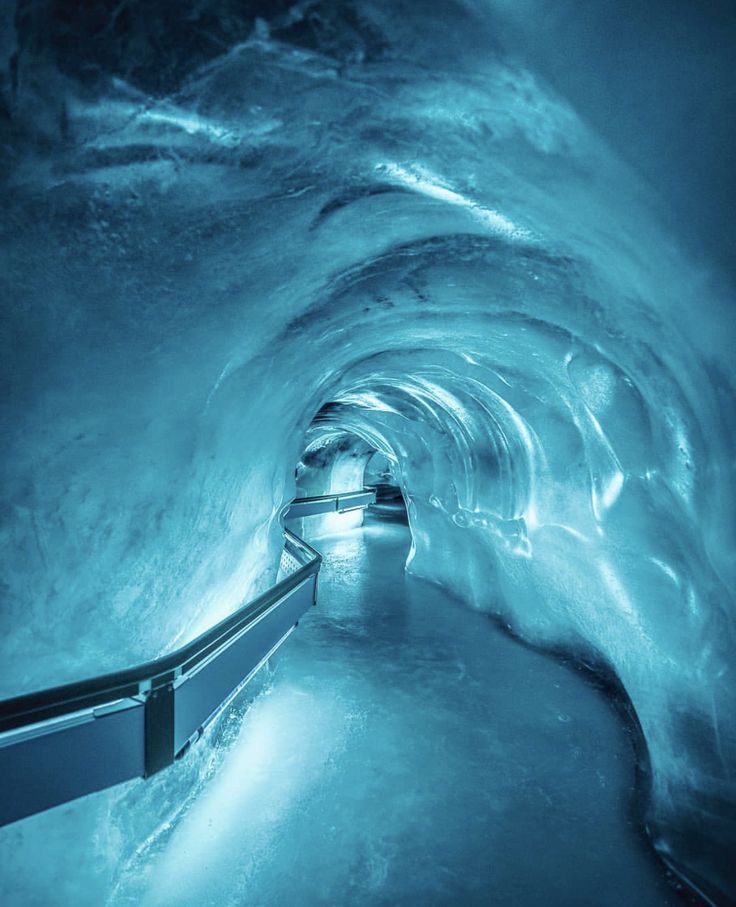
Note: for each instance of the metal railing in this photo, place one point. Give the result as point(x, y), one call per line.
point(331, 503)
point(67, 741)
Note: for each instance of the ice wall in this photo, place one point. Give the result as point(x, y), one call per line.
point(332, 462)
point(216, 221)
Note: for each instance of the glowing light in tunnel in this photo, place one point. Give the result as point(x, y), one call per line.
point(425, 183)
point(335, 523)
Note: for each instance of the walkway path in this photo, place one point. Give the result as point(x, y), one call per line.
point(409, 752)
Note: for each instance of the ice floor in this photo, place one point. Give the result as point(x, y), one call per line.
point(408, 751)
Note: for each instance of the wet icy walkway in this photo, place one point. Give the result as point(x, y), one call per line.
point(410, 752)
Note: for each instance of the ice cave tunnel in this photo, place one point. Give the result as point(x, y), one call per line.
point(432, 301)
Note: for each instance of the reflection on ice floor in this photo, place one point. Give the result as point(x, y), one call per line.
point(408, 751)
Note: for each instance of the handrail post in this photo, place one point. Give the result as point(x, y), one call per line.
point(159, 729)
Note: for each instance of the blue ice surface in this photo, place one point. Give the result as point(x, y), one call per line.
point(408, 751)
point(490, 236)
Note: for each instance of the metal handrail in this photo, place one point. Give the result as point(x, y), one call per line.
point(135, 722)
point(331, 503)
point(330, 497)
point(41, 705)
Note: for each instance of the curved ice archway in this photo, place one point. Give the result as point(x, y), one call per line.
point(192, 274)
point(572, 558)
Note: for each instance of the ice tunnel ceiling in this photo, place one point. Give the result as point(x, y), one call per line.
point(492, 241)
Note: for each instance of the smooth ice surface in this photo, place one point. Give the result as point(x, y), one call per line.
point(403, 752)
point(408, 753)
point(492, 240)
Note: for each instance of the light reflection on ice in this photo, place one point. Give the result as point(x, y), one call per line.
point(420, 180)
